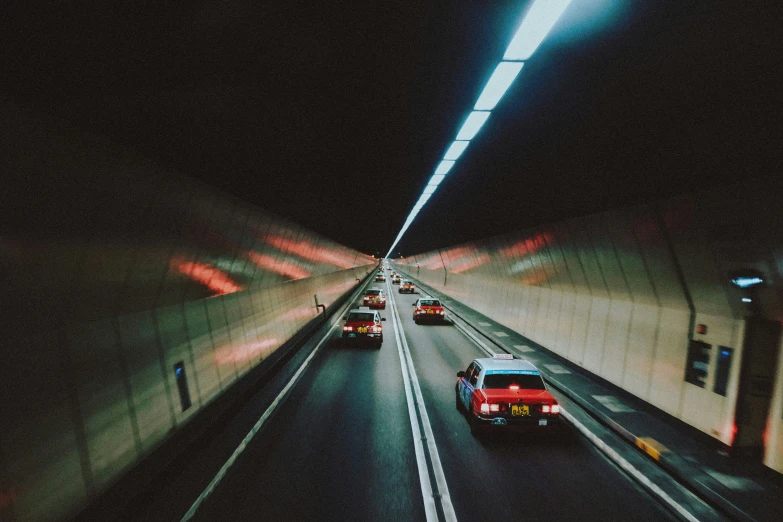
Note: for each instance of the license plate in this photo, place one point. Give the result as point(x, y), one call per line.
point(362, 329)
point(520, 410)
point(430, 311)
point(542, 422)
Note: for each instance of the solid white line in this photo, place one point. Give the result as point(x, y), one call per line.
point(629, 468)
point(437, 467)
point(430, 509)
point(252, 433)
point(473, 338)
point(608, 451)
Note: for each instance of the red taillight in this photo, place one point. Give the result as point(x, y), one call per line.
point(485, 408)
point(545, 408)
point(347, 328)
point(513, 387)
point(494, 407)
point(555, 408)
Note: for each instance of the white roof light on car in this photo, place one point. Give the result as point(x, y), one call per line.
point(472, 125)
point(497, 85)
point(455, 150)
point(537, 23)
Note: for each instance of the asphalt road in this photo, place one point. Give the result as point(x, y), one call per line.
point(342, 447)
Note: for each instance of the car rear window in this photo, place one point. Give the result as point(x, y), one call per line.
point(361, 316)
point(373, 292)
point(504, 380)
point(430, 302)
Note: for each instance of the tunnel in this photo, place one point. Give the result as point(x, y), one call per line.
point(207, 314)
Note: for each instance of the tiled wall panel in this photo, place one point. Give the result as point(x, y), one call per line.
point(114, 272)
point(620, 292)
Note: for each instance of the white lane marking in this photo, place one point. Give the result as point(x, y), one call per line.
point(437, 467)
point(608, 451)
point(500, 334)
point(478, 342)
point(556, 368)
point(257, 426)
point(628, 467)
point(430, 509)
point(612, 403)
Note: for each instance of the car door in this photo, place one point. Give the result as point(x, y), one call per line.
point(467, 384)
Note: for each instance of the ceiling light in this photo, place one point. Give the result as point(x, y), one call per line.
point(534, 28)
point(456, 150)
point(444, 167)
point(436, 179)
point(472, 125)
point(497, 85)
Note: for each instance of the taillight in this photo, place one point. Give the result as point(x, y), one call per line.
point(486, 408)
point(513, 387)
point(545, 408)
point(555, 408)
point(347, 328)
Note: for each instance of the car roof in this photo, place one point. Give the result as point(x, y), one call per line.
point(489, 363)
point(363, 310)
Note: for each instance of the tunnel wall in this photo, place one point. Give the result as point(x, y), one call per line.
point(619, 293)
point(114, 270)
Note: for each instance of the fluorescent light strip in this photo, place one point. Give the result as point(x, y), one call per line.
point(472, 125)
point(436, 179)
point(536, 25)
point(504, 75)
point(456, 150)
point(444, 167)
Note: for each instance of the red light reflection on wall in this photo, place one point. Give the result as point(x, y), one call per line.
point(281, 267)
point(465, 258)
point(206, 274)
point(529, 245)
point(309, 251)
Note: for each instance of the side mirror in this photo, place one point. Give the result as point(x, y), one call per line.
point(414, 304)
point(383, 318)
point(460, 374)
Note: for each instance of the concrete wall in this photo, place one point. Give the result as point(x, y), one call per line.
point(619, 293)
point(113, 271)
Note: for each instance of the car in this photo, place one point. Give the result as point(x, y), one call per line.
point(428, 309)
point(407, 287)
point(374, 298)
point(364, 326)
point(396, 279)
point(380, 277)
point(503, 392)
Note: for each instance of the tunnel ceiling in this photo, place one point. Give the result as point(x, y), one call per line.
point(335, 114)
